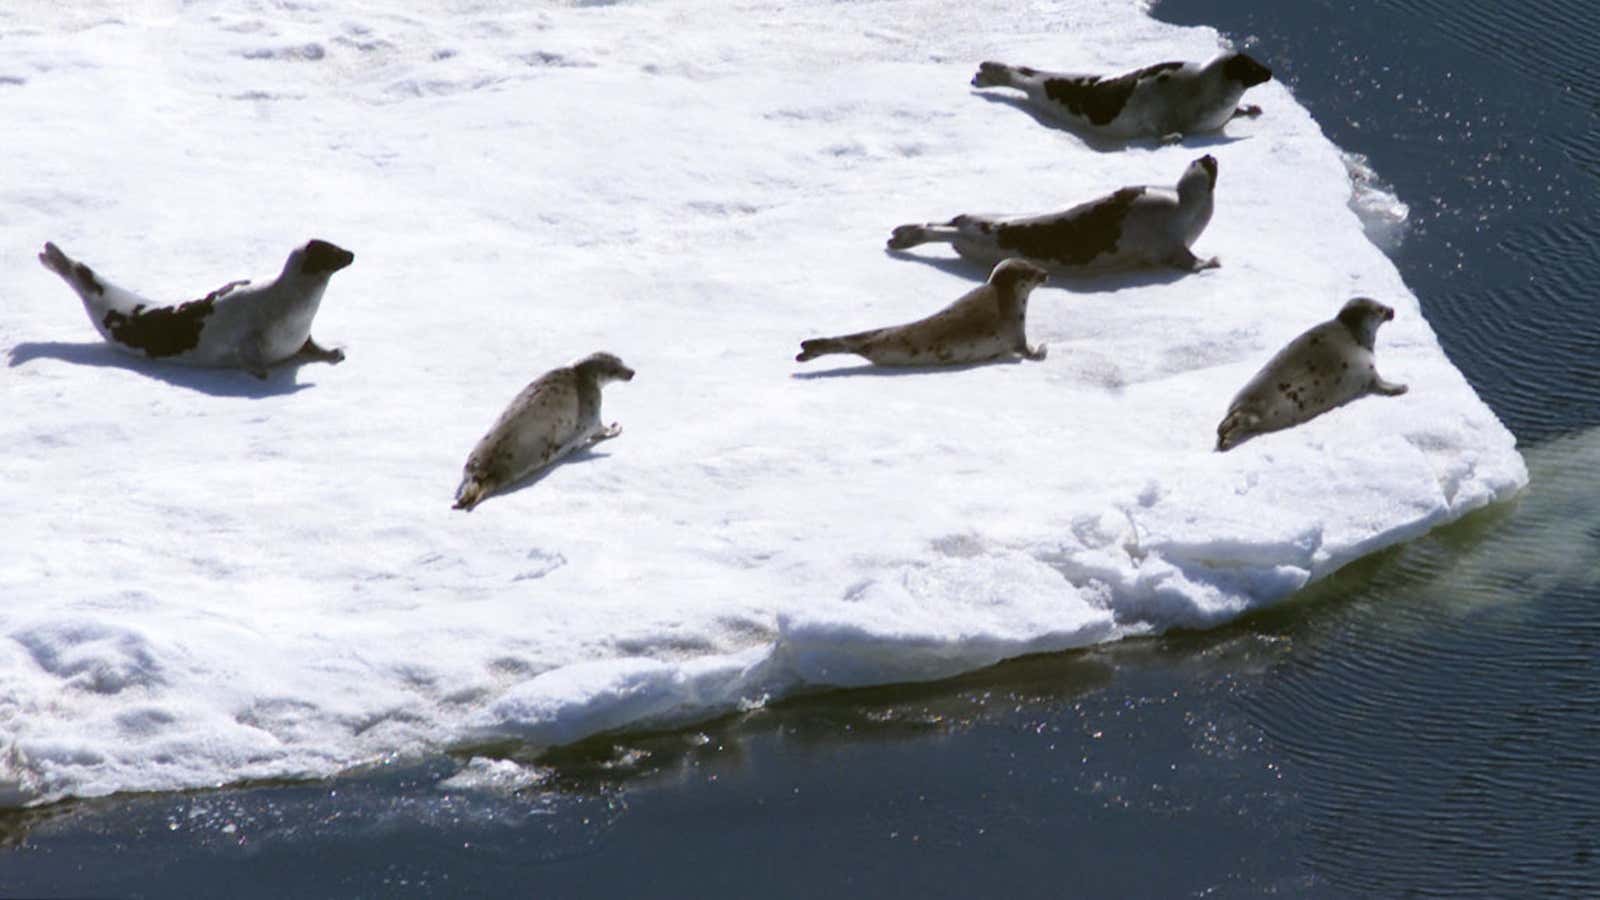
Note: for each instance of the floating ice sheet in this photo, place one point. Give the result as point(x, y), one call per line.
point(209, 578)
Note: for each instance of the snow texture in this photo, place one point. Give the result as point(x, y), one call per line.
point(210, 578)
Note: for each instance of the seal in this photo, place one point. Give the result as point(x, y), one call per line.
point(555, 415)
point(234, 326)
point(1134, 227)
point(988, 322)
point(1326, 367)
point(1167, 100)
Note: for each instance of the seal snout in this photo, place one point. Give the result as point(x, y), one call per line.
point(1209, 163)
point(603, 367)
point(1246, 71)
point(322, 257)
point(470, 493)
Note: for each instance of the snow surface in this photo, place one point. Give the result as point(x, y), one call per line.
point(209, 578)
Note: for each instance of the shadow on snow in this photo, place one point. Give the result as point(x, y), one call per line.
point(280, 378)
point(1101, 144)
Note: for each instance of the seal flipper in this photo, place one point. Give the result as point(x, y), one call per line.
point(79, 276)
point(906, 236)
point(315, 352)
point(998, 74)
point(1183, 258)
point(849, 343)
point(1387, 388)
point(251, 359)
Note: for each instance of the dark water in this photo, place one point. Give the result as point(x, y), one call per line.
point(1425, 724)
point(1484, 115)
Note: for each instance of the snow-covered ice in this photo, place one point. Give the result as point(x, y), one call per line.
point(207, 578)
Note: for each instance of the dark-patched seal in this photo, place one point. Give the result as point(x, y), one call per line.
point(1131, 228)
point(555, 415)
point(1326, 367)
point(988, 322)
point(234, 326)
point(1167, 100)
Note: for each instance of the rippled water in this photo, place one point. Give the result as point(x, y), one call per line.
point(1445, 717)
point(1486, 115)
point(1445, 720)
point(1426, 723)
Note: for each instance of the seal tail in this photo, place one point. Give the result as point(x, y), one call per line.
point(79, 276)
point(993, 74)
point(847, 343)
point(104, 302)
point(907, 236)
point(56, 261)
point(822, 347)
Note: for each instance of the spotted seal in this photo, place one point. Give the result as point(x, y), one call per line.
point(1326, 367)
point(556, 414)
point(988, 322)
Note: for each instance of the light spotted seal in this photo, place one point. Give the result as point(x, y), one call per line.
point(555, 415)
point(988, 322)
point(1132, 228)
point(1166, 101)
point(1326, 367)
point(234, 326)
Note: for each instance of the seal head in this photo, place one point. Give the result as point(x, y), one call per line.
point(1244, 70)
point(318, 257)
point(603, 368)
point(1362, 316)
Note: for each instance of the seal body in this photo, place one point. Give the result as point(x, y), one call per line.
point(988, 322)
point(555, 415)
point(1135, 227)
point(1326, 367)
point(1167, 100)
point(236, 325)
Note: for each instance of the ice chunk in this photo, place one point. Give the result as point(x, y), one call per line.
point(209, 578)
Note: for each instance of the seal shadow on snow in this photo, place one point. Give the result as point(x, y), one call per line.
point(1086, 283)
point(1096, 142)
point(280, 378)
point(878, 371)
point(582, 455)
